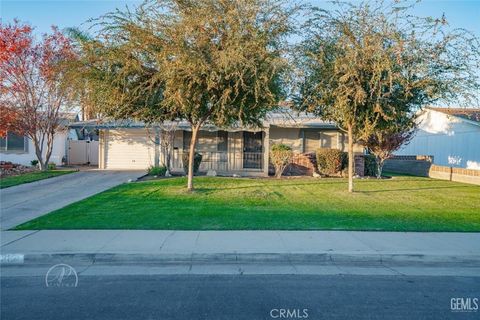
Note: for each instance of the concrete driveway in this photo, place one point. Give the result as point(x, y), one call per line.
point(28, 201)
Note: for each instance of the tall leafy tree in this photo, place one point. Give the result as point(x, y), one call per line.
point(363, 64)
point(203, 61)
point(33, 93)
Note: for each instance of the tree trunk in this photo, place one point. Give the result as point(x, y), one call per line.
point(42, 165)
point(38, 152)
point(350, 158)
point(48, 153)
point(167, 159)
point(156, 160)
point(191, 156)
point(380, 163)
point(278, 172)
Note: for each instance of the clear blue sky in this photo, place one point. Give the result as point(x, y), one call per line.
point(70, 13)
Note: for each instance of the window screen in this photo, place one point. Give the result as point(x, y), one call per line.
point(312, 141)
point(12, 142)
point(3, 144)
point(328, 139)
point(15, 142)
point(222, 139)
point(187, 137)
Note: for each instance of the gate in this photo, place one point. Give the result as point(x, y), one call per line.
point(82, 152)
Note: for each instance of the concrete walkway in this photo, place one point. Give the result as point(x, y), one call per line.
point(171, 246)
point(22, 203)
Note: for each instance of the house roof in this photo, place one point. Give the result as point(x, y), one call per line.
point(471, 114)
point(286, 118)
point(68, 117)
point(283, 117)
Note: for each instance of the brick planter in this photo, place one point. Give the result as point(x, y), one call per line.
point(303, 164)
point(6, 166)
point(13, 169)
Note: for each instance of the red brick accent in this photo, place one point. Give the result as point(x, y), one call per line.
point(415, 157)
point(303, 164)
point(359, 165)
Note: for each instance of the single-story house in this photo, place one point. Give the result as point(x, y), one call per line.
point(20, 149)
point(228, 151)
point(450, 135)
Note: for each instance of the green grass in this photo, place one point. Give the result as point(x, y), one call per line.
point(31, 177)
point(400, 204)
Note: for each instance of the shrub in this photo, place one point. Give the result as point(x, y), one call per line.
point(370, 165)
point(157, 171)
point(34, 163)
point(51, 166)
point(331, 161)
point(197, 159)
point(280, 156)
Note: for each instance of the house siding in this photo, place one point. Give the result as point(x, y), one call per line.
point(132, 149)
point(58, 152)
point(451, 141)
point(309, 140)
point(291, 137)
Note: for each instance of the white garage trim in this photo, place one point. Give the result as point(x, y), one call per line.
point(127, 149)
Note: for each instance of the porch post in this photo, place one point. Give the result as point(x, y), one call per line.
point(102, 147)
point(266, 150)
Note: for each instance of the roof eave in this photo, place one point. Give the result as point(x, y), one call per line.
point(476, 123)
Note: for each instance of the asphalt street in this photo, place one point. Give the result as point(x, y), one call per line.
point(239, 297)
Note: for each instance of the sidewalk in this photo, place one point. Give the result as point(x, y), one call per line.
point(132, 246)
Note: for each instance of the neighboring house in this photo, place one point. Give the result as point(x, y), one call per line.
point(450, 135)
point(234, 150)
point(20, 149)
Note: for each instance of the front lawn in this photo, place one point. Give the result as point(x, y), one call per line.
point(31, 177)
point(400, 204)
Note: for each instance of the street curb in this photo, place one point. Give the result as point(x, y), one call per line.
point(299, 258)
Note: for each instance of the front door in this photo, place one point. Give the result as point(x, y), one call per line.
point(252, 150)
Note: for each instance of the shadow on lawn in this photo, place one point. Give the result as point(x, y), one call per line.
point(328, 181)
point(206, 189)
point(413, 189)
point(397, 179)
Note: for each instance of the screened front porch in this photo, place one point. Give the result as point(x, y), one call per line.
point(240, 152)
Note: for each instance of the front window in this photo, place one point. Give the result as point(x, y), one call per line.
point(13, 142)
point(207, 141)
point(222, 141)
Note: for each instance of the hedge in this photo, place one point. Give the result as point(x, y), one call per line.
point(370, 165)
point(157, 171)
point(331, 161)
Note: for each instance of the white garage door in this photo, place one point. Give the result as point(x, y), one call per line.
point(128, 149)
